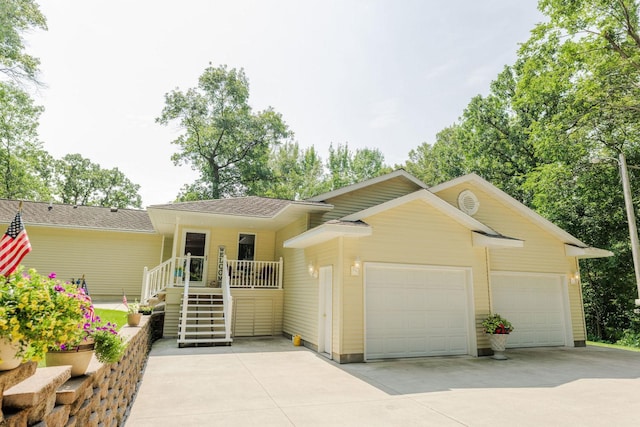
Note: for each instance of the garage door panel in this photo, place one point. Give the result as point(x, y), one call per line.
point(415, 311)
point(534, 305)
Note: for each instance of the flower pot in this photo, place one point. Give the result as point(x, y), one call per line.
point(133, 319)
point(78, 359)
point(498, 344)
point(8, 352)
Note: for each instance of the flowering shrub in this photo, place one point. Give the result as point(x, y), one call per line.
point(496, 324)
point(40, 314)
point(89, 329)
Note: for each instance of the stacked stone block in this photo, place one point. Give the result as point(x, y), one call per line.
point(100, 398)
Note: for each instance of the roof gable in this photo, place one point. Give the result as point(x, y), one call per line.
point(520, 208)
point(400, 173)
point(425, 195)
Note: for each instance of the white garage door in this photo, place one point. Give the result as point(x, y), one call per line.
point(414, 311)
point(534, 304)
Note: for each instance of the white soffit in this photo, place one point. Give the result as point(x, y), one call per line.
point(326, 232)
point(495, 242)
point(588, 252)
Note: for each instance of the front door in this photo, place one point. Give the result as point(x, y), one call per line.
point(325, 310)
point(196, 243)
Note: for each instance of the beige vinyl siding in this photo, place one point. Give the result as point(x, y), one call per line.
point(414, 233)
point(300, 314)
point(112, 262)
point(167, 248)
point(542, 252)
point(364, 198)
point(576, 305)
point(255, 312)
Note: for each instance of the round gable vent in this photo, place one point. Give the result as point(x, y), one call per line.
point(468, 202)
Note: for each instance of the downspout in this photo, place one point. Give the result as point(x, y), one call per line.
point(340, 270)
point(584, 321)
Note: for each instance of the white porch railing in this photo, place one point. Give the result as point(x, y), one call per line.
point(255, 274)
point(240, 274)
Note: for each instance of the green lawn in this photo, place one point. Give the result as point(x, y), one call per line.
point(621, 347)
point(114, 316)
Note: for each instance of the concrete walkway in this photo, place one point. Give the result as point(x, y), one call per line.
point(268, 382)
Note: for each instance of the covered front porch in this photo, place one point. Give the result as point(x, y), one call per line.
point(245, 300)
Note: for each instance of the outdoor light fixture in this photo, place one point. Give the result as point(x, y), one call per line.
point(575, 278)
point(312, 270)
point(355, 268)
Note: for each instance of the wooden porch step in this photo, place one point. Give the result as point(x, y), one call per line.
point(204, 333)
point(182, 343)
point(205, 325)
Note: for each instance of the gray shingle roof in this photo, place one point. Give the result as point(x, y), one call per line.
point(92, 217)
point(253, 206)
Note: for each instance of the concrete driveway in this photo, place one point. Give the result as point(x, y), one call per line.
point(268, 382)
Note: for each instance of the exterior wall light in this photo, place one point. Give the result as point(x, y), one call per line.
point(313, 272)
point(355, 268)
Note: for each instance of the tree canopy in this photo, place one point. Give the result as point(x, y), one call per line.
point(571, 97)
point(16, 18)
point(223, 139)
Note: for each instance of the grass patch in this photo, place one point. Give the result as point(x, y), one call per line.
point(618, 346)
point(118, 317)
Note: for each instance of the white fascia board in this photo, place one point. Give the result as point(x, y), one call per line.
point(586, 252)
point(363, 184)
point(513, 203)
point(326, 232)
point(433, 200)
point(495, 242)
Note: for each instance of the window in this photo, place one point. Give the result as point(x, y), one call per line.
point(246, 247)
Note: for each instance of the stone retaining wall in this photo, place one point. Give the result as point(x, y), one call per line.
point(50, 397)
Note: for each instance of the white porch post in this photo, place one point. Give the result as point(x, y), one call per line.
point(174, 251)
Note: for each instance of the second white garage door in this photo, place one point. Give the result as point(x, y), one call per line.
point(414, 311)
point(535, 304)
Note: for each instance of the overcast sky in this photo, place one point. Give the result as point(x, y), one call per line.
point(380, 74)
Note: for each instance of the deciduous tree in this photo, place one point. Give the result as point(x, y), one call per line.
point(223, 139)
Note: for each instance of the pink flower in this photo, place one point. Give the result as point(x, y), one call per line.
point(52, 275)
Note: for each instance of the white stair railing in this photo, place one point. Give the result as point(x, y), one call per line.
point(227, 299)
point(185, 300)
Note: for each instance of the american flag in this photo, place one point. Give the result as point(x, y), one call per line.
point(124, 300)
point(14, 245)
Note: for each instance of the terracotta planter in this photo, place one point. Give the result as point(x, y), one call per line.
point(78, 359)
point(8, 358)
point(498, 345)
point(133, 319)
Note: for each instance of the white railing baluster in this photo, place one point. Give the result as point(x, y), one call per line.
point(255, 274)
point(227, 299)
